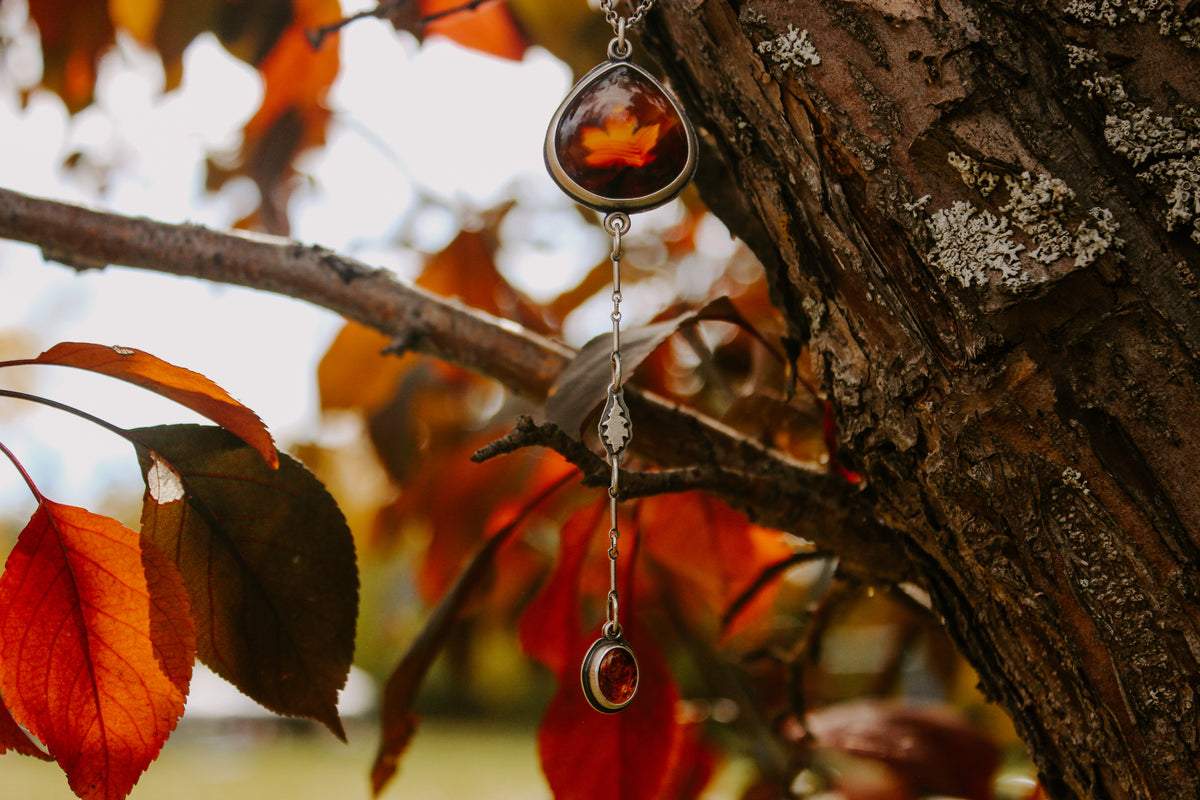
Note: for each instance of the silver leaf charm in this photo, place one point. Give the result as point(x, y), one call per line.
point(615, 427)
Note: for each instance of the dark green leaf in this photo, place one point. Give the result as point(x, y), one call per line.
point(268, 561)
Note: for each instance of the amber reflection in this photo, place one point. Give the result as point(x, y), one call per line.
point(621, 143)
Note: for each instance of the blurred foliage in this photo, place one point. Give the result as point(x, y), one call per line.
point(804, 639)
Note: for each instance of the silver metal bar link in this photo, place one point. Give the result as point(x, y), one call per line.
point(614, 425)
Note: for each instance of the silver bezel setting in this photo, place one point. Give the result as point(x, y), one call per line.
point(599, 202)
point(589, 674)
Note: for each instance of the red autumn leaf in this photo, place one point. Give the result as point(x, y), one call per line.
point(457, 500)
point(587, 755)
point(696, 765)
point(398, 720)
point(629, 755)
point(268, 563)
point(81, 655)
point(726, 552)
point(489, 27)
point(929, 751)
point(550, 628)
point(172, 631)
point(185, 387)
point(12, 737)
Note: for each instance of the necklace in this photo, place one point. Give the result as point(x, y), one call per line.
point(619, 143)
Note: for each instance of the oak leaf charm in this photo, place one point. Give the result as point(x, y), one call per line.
point(615, 427)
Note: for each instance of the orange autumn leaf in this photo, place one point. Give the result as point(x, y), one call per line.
point(466, 268)
point(726, 553)
point(293, 115)
point(489, 28)
point(620, 143)
point(95, 656)
point(74, 35)
point(185, 387)
point(457, 501)
point(295, 76)
point(356, 374)
point(15, 739)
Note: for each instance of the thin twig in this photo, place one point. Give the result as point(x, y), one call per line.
point(528, 433)
point(596, 471)
point(317, 37)
point(764, 579)
point(21, 469)
point(382, 11)
point(471, 6)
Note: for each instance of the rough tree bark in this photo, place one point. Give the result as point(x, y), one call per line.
point(984, 220)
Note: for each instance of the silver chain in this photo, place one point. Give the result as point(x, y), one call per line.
point(614, 424)
point(619, 48)
point(640, 7)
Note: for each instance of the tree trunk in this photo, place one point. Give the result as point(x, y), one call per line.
point(984, 221)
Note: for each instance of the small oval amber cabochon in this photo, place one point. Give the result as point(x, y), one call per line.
point(617, 676)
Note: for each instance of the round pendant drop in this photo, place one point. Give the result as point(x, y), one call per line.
point(609, 675)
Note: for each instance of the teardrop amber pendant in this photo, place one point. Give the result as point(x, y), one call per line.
point(609, 675)
point(620, 141)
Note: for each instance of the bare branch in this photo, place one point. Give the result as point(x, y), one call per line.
point(597, 472)
point(80, 237)
point(772, 488)
point(317, 36)
point(528, 433)
point(385, 10)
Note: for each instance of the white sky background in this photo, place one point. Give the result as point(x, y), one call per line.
point(438, 120)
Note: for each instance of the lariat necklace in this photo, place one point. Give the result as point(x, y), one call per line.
point(619, 143)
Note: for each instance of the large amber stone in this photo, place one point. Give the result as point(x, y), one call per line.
point(622, 140)
point(617, 676)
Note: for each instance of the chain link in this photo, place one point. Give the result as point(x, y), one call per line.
point(640, 7)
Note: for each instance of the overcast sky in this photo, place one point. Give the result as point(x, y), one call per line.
point(430, 127)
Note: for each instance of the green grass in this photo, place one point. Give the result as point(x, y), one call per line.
point(445, 762)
